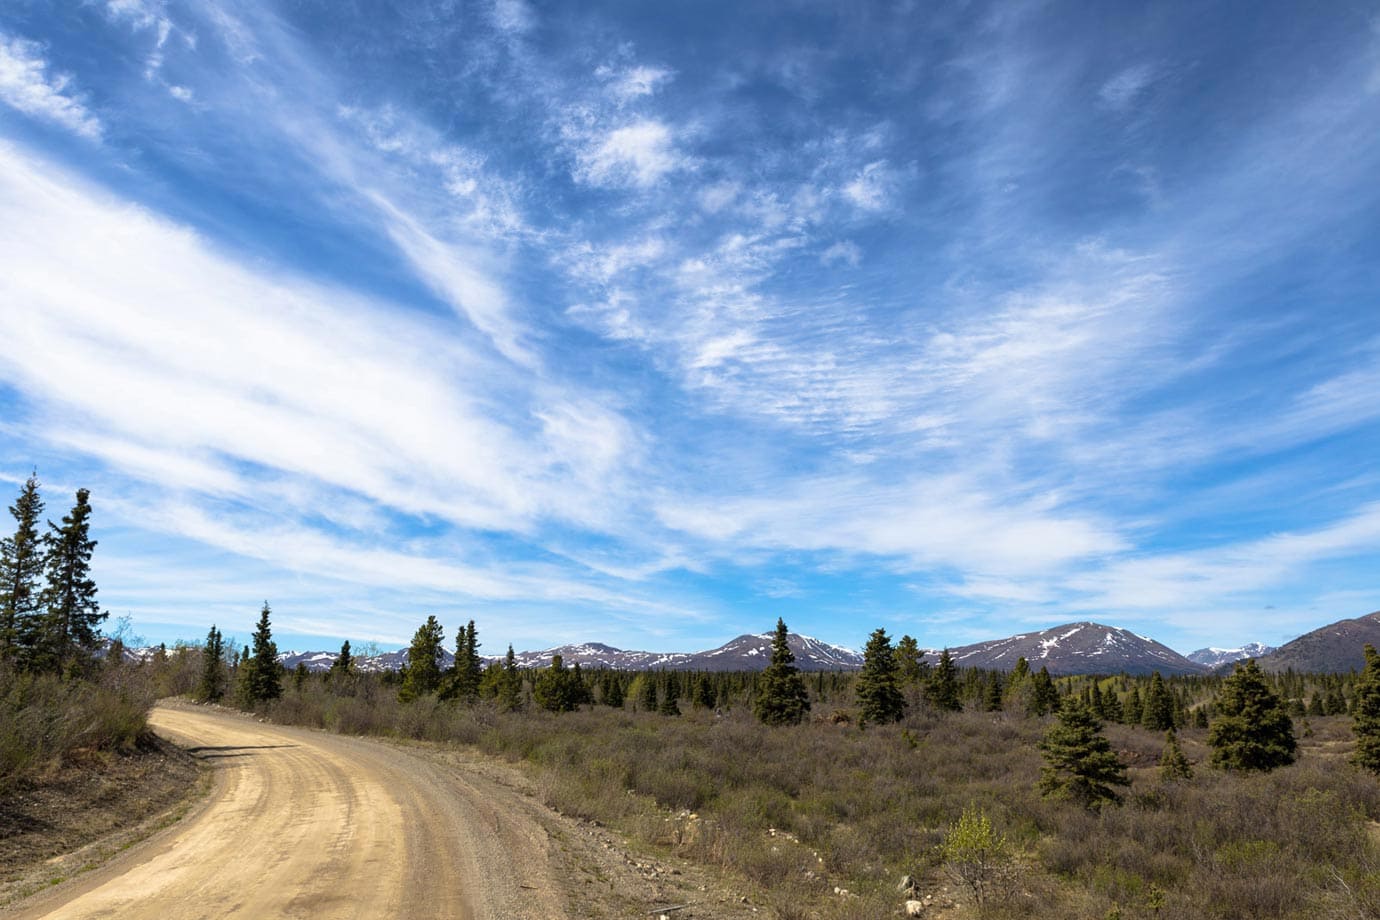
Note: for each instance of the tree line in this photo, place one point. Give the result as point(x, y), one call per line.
point(49, 618)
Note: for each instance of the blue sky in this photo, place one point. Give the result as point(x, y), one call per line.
point(650, 323)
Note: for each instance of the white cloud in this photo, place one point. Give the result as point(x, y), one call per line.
point(639, 154)
point(513, 17)
point(181, 93)
point(26, 86)
point(1121, 91)
point(633, 82)
point(872, 188)
point(845, 251)
point(182, 363)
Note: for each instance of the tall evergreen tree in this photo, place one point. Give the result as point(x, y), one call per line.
point(558, 688)
point(1157, 713)
point(423, 672)
point(781, 695)
point(943, 689)
point(1365, 720)
point(21, 569)
point(992, 698)
point(212, 685)
point(613, 691)
point(1252, 730)
point(1079, 761)
point(72, 617)
point(510, 691)
point(910, 662)
point(879, 699)
point(344, 662)
point(1044, 696)
point(264, 677)
point(705, 694)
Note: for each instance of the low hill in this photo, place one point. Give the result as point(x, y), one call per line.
point(1331, 649)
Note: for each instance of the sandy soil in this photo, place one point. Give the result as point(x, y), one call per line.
point(302, 823)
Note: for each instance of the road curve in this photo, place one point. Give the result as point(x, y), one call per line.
point(302, 823)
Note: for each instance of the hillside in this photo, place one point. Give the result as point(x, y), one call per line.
point(1334, 648)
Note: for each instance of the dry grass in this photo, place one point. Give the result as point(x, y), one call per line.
point(804, 810)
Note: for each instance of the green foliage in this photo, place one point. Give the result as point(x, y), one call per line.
point(910, 662)
point(1157, 712)
point(781, 695)
point(943, 687)
point(21, 567)
point(558, 689)
point(1174, 766)
point(992, 697)
point(468, 670)
point(510, 689)
point(344, 662)
point(976, 857)
point(263, 679)
point(1079, 762)
point(1252, 730)
point(72, 618)
point(1044, 696)
point(211, 688)
point(422, 675)
point(879, 699)
point(1365, 720)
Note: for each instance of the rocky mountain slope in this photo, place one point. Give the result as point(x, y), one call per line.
point(1334, 648)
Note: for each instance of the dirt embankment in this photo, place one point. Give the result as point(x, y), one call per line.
point(301, 823)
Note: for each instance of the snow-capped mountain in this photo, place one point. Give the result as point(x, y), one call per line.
point(745, 653)
point(1215, 658)
point(1077, 648)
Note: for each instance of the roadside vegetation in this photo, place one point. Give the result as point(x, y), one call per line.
point(65, 690)
point(992, 795)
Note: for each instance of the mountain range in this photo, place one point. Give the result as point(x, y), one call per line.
point(1073, 648)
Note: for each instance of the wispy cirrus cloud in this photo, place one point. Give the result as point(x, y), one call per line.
point(28, 86)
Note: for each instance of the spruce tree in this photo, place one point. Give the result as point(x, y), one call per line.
point(1365, 720)
point(781, 695)
point(910, 662)
point(212, 685)
point(879, 699)
point(613, 691)
point(1044, 696)
point(469, 667)
point(264, 679)
point(1079, 762)
point(510, 691)
point(992, 698)
point(1174, 766)
point(705, 694)
point(422, 675)
point(557, 689)
point(1252, 730)
point(72, 617)
point(943, 689)
point(1157, 713)
point(21, 568)
point(343, 662)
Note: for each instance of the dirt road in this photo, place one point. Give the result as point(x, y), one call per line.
point(307, 824)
